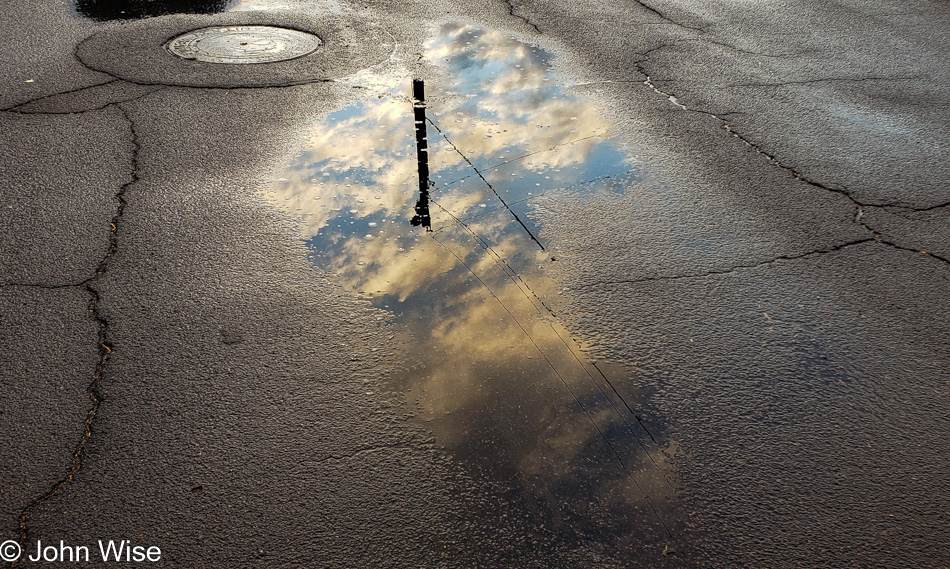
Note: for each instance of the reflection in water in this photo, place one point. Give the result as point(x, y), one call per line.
point(131, 9)
point(498, 379)
point(422, 216)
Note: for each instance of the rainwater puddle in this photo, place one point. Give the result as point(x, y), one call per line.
point(498, 380)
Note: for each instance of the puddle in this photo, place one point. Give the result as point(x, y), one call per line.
point(128, 10)
point(493, 374)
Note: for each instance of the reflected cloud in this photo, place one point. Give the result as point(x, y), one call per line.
point(504, 387)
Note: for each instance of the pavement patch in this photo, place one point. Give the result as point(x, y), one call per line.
point(136, 51)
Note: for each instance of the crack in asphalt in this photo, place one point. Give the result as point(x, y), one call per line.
point(511, 12)
point(157, 87)
point(101, 107)
point(44, 97)
point(104, 345)
point(797, 174)
point(915, 209)
point(16, 109)
point(645, 6)
point(229, 87)
point(716, 272)
point(879, 238)
point(664, 17)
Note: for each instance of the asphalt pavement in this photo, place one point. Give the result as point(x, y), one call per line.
point(725, 342)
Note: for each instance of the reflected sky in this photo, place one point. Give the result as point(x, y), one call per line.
point(498, 379)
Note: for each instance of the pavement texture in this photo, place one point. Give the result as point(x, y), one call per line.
point(177, 373)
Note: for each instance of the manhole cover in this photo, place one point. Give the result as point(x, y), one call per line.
point(243, 44)
point(293, 48)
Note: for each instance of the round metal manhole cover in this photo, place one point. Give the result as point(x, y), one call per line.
point(244, 44)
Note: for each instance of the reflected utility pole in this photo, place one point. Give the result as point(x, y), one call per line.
point(422, 154)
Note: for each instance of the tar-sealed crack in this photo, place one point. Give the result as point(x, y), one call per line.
point(102, 338)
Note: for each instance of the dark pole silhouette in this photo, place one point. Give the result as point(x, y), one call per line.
point(422, 154)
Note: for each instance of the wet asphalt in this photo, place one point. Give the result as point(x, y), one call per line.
point(766, 288)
